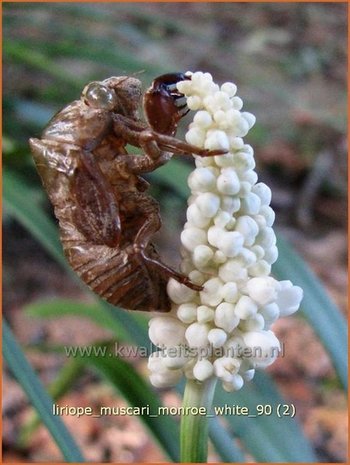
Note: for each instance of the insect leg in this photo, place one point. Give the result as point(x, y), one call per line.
point(150, 226)
point(136, 134)
point(177, 146)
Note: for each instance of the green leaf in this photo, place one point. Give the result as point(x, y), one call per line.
point(62, 307)
point(268, 437)
point(20, 202)
point(323, 315)
point(37, 394)
point(20, 52)
point(174, 174)
point(138, 394)
point(225, 445)
point(63, 382)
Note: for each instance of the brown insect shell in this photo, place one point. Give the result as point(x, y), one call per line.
point(161, 112)
point(76, 128)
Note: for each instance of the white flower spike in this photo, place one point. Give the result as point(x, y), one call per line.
point(228, 247)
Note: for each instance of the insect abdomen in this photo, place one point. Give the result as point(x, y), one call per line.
point(118, 277)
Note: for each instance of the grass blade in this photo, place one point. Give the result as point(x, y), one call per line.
point(63, 382)
point(20, 203)
point(138, 394)
point(268, 438)
point(62, 307)
point(317, 307)
point(225, 445)
point(38, 396)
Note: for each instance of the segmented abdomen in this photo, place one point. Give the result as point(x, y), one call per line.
point(118, 276)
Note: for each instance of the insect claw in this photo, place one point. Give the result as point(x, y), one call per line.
point(172, 87)
point(213, 153)
point(187, 282)
point(184, 113)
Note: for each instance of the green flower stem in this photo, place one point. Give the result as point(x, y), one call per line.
point(194, 427)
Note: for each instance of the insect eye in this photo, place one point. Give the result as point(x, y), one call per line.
point(97, 95)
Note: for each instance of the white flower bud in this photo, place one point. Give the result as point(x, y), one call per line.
point(236, 143)
point(224, 160)
point(250, 204)
point(201, 180)
point(179, 293)
point(222, 219)
point(225, 317)
point(233, 270)
point(219, 257)
point(250, 118)
point(237, 103)
point(244, 161)
point(255, 323)
point(214, 235)
point(217, 337)
point(229, 292)
point(202, 119)
point(263, 191)
point(226, 368)
point(194, 102)
point(196, 218)
point(228, 182)
point(203, 370)
point(217, 140)
point(270, 312)
point(202, 255)
point(197, 277)
point(268, 214)
point(196, 136)
point(192, 237)
point(249, 176)
point(222, 100)
point(208, 204)
point(184, 86)
point(220, 117)
point(166, 331)
point(229, 88)
point(288, 298)
point(266, 238)
point(245, 308)
point(264, 347)
point(231, 243)
point(205, 314)
point(248, 256)
point(197, 335)
point(230, 204)
point(258, 251)
point(248, 228)
point(187, 312)
point(261, 268)
point(167, 379)
point(211, 294)
point(263, 289)
point(235, 384)
point(174, 358)
point(242, 127)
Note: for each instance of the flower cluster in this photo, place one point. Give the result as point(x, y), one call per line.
point(228, 247)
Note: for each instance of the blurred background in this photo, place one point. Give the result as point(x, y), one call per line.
point(289, 63)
